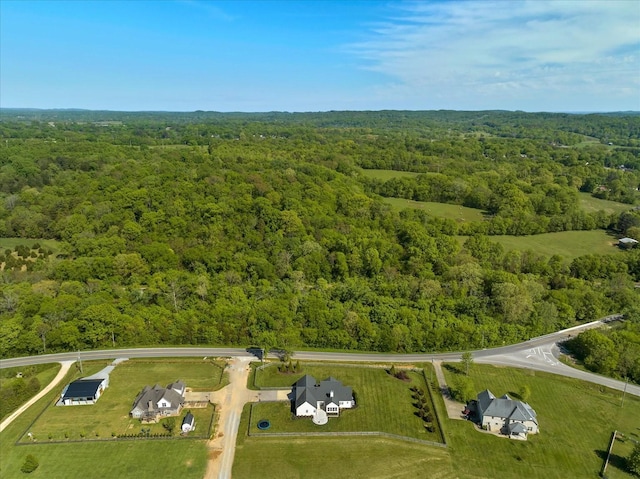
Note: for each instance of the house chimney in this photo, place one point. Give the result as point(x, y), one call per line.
point(331, 394)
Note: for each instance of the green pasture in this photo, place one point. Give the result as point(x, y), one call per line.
point(622, 448)
point(11, 243)
point(353, 457)
point(385, 175)
point(142, 459)
point(589, 141)
point(576, 420)
point(590, 204)
point(568, 244)
point(383, 403)
point(443, 210)
point(110, 414)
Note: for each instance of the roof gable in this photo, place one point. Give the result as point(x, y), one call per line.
point(154, 395)
point(329, 390)
point(505, 407)
point(517, 428)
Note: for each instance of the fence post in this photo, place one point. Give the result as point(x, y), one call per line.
point(606, 461)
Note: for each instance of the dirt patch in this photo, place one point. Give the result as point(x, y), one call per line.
point(213, 455)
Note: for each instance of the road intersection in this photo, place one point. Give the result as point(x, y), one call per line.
point(540, 354)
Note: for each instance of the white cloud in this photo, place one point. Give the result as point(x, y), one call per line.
point(505, 54)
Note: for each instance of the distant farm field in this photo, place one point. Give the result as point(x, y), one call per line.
point(443, 210)
point(568, 244)
point(388, 174)
point(11, 243)
point(591, 204)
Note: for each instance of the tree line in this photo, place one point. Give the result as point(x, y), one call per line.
point(267, 235)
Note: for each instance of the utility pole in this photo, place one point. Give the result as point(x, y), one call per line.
point(80, 362)
point(626, 381)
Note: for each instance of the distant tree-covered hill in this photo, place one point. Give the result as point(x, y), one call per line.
point(212, 228)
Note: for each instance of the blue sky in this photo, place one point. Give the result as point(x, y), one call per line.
point(187, 55)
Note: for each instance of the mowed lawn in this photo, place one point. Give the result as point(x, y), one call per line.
point(388, 174)
point(576, 420)
point(384, 403)
point(141, 459)
point(568, 244)
point(320, 458)
point(442, 210)
point(110, 414)
point(591, 204)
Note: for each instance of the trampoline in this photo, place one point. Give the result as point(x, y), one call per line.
point(264, 424)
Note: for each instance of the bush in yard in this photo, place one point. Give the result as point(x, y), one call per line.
point(633, 461)
point(170, 424)
point(30, 464)
point(462, 389)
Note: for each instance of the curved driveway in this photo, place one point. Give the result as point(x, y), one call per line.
point(539, 353)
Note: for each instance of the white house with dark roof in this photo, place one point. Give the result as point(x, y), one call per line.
point(155, 402)
point(514, 418)
point(83, 391)
point(329, 396)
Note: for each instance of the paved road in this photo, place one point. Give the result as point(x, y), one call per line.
point(539, 353)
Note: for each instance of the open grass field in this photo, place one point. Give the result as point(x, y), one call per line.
point(384, 403)
point(98, 459)
point(443, 210)
point(591, 204)
point(385, 175)
point(568, 244)
point(110, 415)
point(11, 243)
point(576, 421)
point(319, 458)
point(622, 447)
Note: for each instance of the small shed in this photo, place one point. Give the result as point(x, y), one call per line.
point(188, 423)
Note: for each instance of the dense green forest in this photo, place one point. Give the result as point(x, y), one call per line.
point(122, 229)
point(614, 352)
